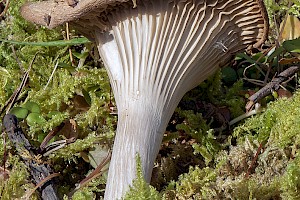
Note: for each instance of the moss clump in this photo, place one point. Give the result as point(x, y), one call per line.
point(197, 184)
point(281, 7)
point(16, 184)
point(278, 126)
point(274, 175)
point(140, 190)
point(218, 164)
point(291, 181)
point(57, 100)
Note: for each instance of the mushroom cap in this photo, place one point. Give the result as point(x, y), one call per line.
point(54, 13)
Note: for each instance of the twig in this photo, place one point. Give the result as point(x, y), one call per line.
point(50, 136)
point(17, 59)
point(38, 169)
point(274, 85)
point(254, 160)
point(254, 81)
point(4, 151)
point(54, 146)
point(247, 114)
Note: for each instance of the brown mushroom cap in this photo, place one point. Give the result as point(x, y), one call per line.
point(54, 13)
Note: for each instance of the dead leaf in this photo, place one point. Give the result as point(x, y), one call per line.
point(286, 61)
point(97, 155)
point(70, 129)
point(291, 29)
point(284, 93)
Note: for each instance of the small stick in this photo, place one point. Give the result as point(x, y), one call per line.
point(247, 114)
point(50, 136)
point(37, 168)
point(54, 146)
point(17, 59)
point(22, 85)
point(4, 150)
point(13, 98)
point(274, 85)
point(254, 160)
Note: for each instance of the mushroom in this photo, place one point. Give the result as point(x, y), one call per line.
point(154, 52)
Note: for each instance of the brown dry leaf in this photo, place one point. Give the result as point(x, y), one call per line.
point(291, 29)
point(284, 93)
point(97, 155)
point(80, 103)
point(286, 61)
point(70, 129)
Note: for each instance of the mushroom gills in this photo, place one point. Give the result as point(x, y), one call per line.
point(154, 54)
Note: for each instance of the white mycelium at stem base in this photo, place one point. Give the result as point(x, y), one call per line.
point(154, 54)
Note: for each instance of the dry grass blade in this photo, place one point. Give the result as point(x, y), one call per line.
point(5, 9)
point(96, 173)
point(68, 38)
point(28, 195)
point(50, 136)
point(12, 100)
point(17, 59)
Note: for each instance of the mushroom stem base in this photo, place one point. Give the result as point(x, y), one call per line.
point(140, 131)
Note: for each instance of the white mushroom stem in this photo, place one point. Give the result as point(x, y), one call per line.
point(139, 131)
point(154, 54)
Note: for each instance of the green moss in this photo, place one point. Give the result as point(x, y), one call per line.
point(291, 181)
point(74, 149)
point(94, 122)
point(140, 190)
point(84, 193)
point(89, 191)
point(278, 125)
point(281, 7)
point(16, 185)
point(273, 176)
point(197, 184)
